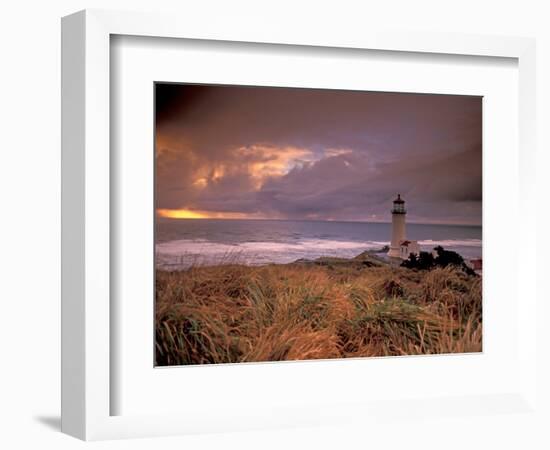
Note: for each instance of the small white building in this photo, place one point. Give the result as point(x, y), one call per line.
point(407, 247)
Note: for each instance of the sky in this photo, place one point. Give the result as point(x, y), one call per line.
point(246, 152)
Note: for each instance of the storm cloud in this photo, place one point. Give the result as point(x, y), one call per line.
point(257, 152)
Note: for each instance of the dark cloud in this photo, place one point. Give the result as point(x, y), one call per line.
point(304, 153)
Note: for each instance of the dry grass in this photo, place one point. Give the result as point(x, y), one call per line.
point(234, 313)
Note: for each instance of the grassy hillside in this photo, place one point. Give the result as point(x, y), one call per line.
point(330, 309)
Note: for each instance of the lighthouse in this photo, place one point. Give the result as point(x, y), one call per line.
point(398, 229)
point(400, 247)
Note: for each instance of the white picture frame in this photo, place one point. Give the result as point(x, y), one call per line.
point(86, 222)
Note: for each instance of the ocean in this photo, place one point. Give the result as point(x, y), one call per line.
point(182, 243)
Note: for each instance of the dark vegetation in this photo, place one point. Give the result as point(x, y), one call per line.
point(443, 258)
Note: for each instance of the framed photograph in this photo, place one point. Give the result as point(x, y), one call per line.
point(266, 228)
point(280, 236)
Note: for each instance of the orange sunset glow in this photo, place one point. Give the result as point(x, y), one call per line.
point(181, 214)
point(190, 214)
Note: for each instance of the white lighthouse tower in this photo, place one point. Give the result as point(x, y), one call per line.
point(398, 229)
point(400, 247)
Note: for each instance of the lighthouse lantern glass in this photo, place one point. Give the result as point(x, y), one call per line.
point(399, 207)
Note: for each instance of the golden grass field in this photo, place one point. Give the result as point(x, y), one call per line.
point(341, 309)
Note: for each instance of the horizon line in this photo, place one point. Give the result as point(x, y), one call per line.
point(312, 220)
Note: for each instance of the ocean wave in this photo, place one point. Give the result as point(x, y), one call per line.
point(451, 243)
point(193, 252)
point(186, 252)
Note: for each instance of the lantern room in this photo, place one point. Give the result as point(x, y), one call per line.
point(398, 205)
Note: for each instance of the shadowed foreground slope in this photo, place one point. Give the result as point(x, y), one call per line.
point(234, 313)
